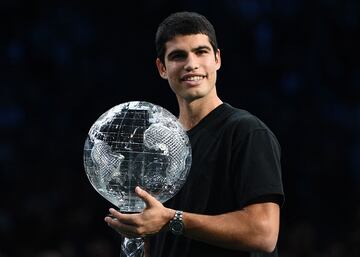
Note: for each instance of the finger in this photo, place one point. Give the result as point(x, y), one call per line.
point(121, 228)
point(145, 196)
point(129, 219)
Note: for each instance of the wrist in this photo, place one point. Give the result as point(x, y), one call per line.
point(170, 215)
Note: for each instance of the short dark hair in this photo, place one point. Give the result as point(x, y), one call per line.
point(183, 23)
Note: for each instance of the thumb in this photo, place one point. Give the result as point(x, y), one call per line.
point(145, 196)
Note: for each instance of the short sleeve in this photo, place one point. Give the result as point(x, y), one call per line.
point(257, 167)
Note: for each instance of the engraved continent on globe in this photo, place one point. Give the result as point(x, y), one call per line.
point(136, 144)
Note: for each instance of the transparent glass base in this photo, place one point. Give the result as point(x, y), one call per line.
point(132, 247)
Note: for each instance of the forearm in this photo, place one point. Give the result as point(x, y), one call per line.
point(253, 228)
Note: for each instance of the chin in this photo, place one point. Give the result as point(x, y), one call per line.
point(191, 98)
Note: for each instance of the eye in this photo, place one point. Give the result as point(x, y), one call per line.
point(177, 56)
point(202, 52)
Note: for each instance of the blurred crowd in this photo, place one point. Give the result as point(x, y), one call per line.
point(294, 64)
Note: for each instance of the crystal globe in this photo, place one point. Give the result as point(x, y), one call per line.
point(136, 144)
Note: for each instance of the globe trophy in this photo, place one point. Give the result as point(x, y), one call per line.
point(133, 144)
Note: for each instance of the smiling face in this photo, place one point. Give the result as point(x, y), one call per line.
point(190, 67)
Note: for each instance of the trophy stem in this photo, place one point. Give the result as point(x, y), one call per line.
point(132, 247)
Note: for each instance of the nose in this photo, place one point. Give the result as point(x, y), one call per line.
point(192, 63)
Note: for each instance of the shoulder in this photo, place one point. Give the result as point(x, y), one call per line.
point(244, 120)
point(244, 124)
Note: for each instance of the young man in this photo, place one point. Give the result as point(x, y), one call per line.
point(230, 203)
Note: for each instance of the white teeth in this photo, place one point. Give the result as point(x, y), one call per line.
point(194, 78)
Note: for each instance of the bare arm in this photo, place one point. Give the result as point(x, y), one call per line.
point(255, 227)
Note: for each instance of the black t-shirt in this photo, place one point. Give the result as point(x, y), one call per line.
point(235, 162)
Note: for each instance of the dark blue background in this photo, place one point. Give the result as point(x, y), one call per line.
point(294, 64)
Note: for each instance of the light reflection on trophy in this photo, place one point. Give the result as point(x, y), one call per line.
point(136, 144)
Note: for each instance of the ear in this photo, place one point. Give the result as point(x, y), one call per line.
point(218, 59)
point(161, 68)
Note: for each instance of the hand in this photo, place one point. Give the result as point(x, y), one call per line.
point(150, 221)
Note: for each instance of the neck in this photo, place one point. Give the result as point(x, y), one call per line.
point(192, 112)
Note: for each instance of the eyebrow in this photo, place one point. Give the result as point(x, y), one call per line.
point(179, 51)
point(201, 48)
